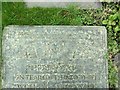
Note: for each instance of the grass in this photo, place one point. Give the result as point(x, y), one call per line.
point(17, 14)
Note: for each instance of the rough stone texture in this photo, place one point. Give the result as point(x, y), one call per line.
point(86, 4)
point(55, 57)
point(117, 59)
point(117, 63)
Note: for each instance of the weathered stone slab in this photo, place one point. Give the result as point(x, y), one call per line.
point(55, 57)
point(86, 4)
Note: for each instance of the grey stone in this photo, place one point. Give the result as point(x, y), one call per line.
point(86, 4)
point(55, 57)
point(117, 63)
point(117, 59)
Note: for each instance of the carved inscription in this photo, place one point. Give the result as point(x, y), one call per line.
point(52, 68)
point(34, 77)
point(62, 85)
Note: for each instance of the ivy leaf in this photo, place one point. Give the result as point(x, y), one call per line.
point(119, 16)
point(113, 17)
point(117, 29)
point(110, 22)
point(113, 23)
point(104, 22)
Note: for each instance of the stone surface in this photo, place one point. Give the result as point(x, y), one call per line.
point(87, 4)
point(55, 57)
point(117, 62)
point(117, 59)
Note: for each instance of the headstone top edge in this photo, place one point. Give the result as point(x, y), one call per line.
point(49, 26)
point(9, 27)
point(62, 0)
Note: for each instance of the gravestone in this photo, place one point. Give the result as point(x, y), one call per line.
point(85, 4)
point(55, 57)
